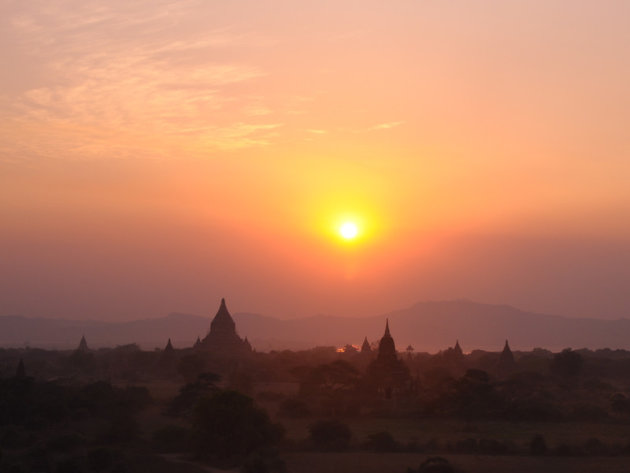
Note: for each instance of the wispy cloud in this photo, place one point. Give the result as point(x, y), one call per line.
point(386, 126)
point(114, 73)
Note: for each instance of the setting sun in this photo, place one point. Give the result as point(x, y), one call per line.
point(349, 230)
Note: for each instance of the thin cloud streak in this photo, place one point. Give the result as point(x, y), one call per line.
point(104, 82)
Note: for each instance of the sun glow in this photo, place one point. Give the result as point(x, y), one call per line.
point(348, 230)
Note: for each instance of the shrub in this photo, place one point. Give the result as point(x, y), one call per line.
point(594, 446)
point(264, 461)
point(330, 435)
point(492, 447)
point(537, 445)
point(65, 442)
point(172, 438)
point(436, 465)
point(69, 465)
point(293, 408)
point(381, 442)
point(100, 459)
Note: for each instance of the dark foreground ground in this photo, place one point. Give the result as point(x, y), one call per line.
point(360, 462)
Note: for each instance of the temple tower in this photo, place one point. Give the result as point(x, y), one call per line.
point(366, 348)
point(83, 346)
point(506, 364)
point(222, 338)
point(387, 373)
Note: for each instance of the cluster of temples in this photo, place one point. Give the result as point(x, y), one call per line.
point(387, 372)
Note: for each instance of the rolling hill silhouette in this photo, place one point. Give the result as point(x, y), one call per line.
point(427, 326)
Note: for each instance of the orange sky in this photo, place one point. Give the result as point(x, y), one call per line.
point(156, 156)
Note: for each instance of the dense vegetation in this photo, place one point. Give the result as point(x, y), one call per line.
point(125, 409)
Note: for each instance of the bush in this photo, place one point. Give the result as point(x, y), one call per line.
point(171, 439)
point(492, 447)
point(532, 410)
point(594, 446)
point(330, 435)
point(100, 459)
point(588, 412)
point(70, 465)
point(65, 442)
point(123, 428)
point(436, 465)
point(264, 461)
point(293, 408)
point(537, 445)
point(381, 442)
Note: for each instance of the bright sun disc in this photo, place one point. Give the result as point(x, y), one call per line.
point(348, 230)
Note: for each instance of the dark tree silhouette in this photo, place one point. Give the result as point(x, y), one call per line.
point(228, 427)
point(189, 394)
point(567, 363)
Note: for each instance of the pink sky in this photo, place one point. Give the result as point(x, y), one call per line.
point(156, 156)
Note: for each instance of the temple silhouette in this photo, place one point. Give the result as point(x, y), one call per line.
point(222, 338)
point(388, 373)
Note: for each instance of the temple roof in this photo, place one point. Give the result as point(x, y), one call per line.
point(365, 348)
point(223, 321)
point(506, 355)
point(386, 347)
point(222, 337)
point(83, 346)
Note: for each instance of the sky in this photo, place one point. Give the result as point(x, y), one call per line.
point(156, 156)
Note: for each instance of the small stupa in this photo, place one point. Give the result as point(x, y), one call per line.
point(506, 363)
point(458, 350)
point(83, 346)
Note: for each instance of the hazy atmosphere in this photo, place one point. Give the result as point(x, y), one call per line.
point(315, 236)
point(157, 156)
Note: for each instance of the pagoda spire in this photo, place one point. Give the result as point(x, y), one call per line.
point(222, 336)
point(83, 346)
point(387, 347)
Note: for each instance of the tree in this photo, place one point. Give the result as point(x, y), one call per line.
point(189, 394)
point(190, 367)
point(567, 363)
point(228, 427)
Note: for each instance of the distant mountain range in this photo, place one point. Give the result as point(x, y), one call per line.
point(427, 326)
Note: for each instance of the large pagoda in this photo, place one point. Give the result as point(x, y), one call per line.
point(222, 338)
